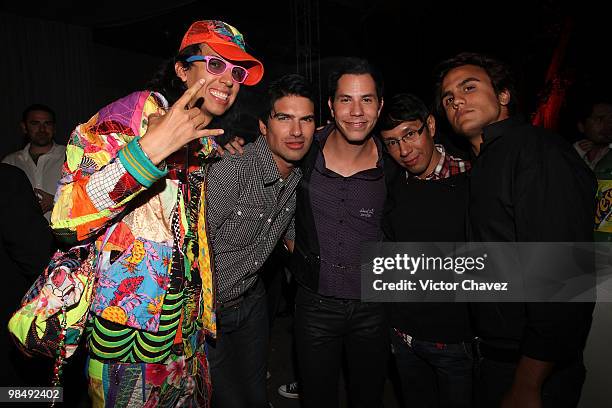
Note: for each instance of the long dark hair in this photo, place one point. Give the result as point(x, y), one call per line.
point(165, 80)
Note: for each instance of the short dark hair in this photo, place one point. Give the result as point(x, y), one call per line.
point(287, 85)
point(402, 108)
point(354, 66)
point(37, 107)
point(499, 73)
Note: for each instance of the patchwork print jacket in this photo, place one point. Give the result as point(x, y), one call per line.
point(154, 289)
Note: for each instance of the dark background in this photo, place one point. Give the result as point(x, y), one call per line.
point(77, 56)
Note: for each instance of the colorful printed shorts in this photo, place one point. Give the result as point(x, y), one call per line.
point(178, 383)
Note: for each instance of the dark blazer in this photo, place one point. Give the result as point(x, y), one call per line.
point(26, 243)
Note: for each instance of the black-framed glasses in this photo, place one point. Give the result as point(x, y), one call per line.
point(217, 66)
point(408, 137)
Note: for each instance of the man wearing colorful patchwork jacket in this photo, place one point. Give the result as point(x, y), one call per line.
point(127, 184)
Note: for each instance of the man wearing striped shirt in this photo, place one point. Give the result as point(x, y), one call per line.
point(251, 201)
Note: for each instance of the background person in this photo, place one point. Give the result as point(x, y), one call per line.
point(41, 159)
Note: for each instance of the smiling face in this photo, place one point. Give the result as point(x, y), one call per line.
point(413, 151)
point(355, 106)
point(219, 91)
point(289, 130)
point(470, 101)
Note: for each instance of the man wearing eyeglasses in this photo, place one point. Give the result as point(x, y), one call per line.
point(427, 202)
point(133, 182)
point(407, 130)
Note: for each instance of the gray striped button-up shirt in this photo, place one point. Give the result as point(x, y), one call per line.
point(249, 208)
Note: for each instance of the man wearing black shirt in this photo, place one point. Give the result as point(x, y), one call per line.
point(527, 185)
point(427, 198)
point(339, 205)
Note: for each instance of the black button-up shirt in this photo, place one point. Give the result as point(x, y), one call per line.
point(347, 211)
point(529, 185)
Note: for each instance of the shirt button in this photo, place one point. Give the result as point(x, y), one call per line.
point(256, 262)
point(341, 221)
point(286, 209)
point(269, 219)
point(260, 215)
point(239, 212)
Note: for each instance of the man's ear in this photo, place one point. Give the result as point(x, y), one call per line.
point(579, 125)
point(181, 71)
point(331, 106)
point(263, 129)
point(382, 102)
point(504, 97)
point(431, 125)
point(24, 129)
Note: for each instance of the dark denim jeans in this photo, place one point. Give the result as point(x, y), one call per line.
point(238, 358)
point(434, 375)
point(324, 328)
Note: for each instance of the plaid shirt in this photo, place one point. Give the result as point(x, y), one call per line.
point(448, 165)
point(249, 208)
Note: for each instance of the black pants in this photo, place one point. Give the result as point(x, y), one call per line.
point(324, 328)
point(272, 275)
point(238, 358)
point(561, 390)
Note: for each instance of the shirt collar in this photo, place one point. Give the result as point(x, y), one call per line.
point(494, 131)
point(26, 149)
point(435, 174)
point(320, 138)
point(162, 100)
point(264, 156)
point(322, 134)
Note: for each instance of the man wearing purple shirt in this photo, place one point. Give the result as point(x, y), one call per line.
point(339, 205)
